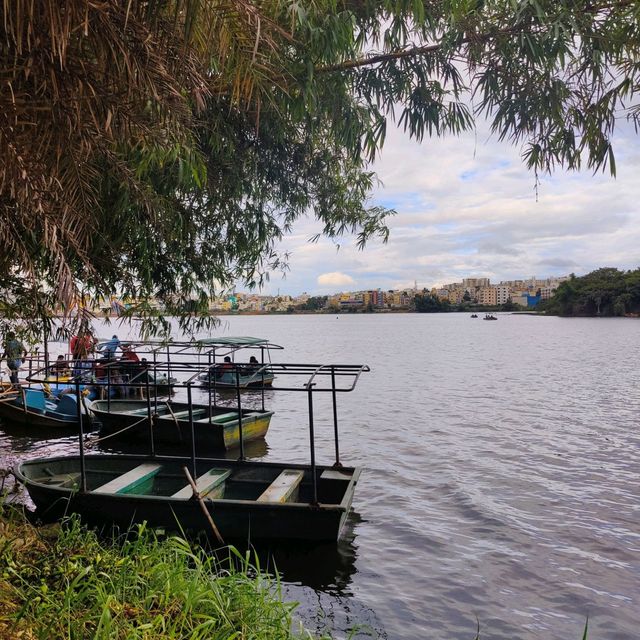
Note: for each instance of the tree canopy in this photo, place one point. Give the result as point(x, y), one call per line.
point(163, 148)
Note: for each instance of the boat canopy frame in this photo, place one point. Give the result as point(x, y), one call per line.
point(311, 378)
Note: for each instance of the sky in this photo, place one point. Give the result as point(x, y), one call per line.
point(467, 207)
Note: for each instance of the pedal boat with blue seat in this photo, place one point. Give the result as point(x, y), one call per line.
point(33, 407)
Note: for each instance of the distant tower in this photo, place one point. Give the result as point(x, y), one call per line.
point(415, 286)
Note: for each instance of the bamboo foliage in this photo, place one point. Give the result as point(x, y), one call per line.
point(82, 83)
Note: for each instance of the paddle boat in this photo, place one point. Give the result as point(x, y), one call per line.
point(225, 359)
point(490, 316)
point(36, 408)
point(215, 427)
point(239, 499)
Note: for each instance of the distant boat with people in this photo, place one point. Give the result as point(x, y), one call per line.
point(490, 316)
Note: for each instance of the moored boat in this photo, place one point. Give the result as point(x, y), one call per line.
point(247, 500)
point(214, 427)
point(33, 408)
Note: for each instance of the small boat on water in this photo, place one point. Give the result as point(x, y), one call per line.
point(474, 315)
point(236, 499)
point(214, 427)
point(490, 316)
point(238, 377)
point(247, 500)
point(34, 408)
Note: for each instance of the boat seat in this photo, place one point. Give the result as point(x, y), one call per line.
point(128, 482)
point(62, 480)
point(68, 405)
point(135, 412)
point(284, 488)
point(335, 474)
point(205, 483)
point(185, 414)
point(225, 417)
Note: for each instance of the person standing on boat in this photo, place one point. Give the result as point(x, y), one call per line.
point(110, 347)
point(83, 343)
point(15, 353)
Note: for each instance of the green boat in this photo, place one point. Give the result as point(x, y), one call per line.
point(246, 500)
point(215, 428)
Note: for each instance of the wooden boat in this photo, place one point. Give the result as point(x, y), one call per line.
point(32, 407)
point(247, 500)
point(215, 427)
point(489, 316)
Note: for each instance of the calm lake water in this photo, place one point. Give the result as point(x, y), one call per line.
point(501, 482)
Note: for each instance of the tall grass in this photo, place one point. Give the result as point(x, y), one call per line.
point(63, 582)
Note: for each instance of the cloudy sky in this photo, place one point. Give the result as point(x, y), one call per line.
point(466, 207)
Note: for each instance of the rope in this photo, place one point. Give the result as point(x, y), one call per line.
point(94, 441)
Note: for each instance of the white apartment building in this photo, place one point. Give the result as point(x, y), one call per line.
point(503, 293)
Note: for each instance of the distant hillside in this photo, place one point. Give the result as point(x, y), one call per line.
point(604, 292)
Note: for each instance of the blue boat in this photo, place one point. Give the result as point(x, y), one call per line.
point(33, 408)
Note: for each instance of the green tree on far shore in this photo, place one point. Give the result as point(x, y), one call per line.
point(603, 292)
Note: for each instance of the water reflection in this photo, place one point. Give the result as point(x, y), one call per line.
point(327, 567)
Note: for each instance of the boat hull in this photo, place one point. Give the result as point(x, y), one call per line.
point(17, 414)
point(237, 513)
point(169, 429)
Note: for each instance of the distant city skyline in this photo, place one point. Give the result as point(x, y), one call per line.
point(467, 207)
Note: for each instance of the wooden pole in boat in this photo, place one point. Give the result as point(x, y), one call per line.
point(198, 497)
point(312, 444)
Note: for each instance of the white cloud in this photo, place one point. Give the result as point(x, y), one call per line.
point(335, 279)
point(466, 206)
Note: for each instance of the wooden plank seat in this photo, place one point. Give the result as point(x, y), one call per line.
point(136, 412)
point(180, 415)
point(128, 482)
point(221, 418)
point(62, 480)
point(335, 474)
point(205, 483)
point(284, 488)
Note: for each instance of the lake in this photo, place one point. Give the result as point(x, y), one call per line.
point(501, 482)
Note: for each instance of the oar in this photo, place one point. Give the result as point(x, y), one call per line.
point(198, 497)
point(175, 420)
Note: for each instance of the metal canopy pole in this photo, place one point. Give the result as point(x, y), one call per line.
point(83, 473)
point(239, 413)
point(335, 416)
point(151, 442)
point(262, 373)
point(312, 446)
point(194, 471)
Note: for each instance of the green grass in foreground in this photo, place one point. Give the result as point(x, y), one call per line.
point(62, 582)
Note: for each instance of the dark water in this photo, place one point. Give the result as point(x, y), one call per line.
point(501, 474)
